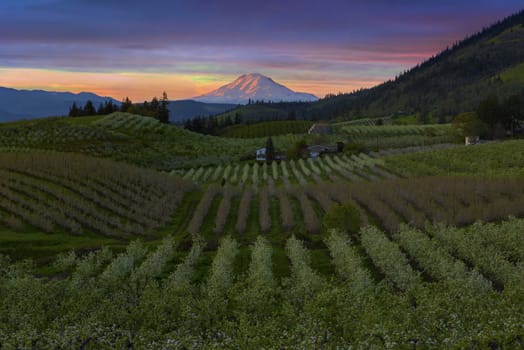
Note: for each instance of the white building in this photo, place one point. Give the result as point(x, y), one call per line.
point(261, 154)
point(472, 140)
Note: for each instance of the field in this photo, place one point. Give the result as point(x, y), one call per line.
point(369, 250)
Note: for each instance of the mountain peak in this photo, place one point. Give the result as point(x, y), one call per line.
point(255, 87)
point(253, 76)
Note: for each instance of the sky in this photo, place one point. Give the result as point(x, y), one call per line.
point(186, 48)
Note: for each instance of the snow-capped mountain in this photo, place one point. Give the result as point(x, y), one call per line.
point(255, 87)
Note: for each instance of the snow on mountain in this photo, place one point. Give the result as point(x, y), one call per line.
point(255, 87)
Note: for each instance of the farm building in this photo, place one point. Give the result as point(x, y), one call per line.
point(261, 154)
point(471, 140)
point(317, 150)
point(320, 129)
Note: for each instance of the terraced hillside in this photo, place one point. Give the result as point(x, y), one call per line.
point(326, 168)
point(146, 142)
point(135, 139)
point(500, 159)
point(300, 209)
point(250, 260)
point(61, 193)
point(378, 290)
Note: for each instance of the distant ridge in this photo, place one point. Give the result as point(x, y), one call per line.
point(30, 104)
point(182, 110)
point(254, 87)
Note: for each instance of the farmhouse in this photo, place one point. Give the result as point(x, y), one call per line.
point(261, 154)
point(471, 140)
point(320, 129)
point(317, 150)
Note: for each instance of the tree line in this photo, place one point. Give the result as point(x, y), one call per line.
point(215, 125)
point(89, 108)
point(156, 108)
point(212, 125)
point(493, 118)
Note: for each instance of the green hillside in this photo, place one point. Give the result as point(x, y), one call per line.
point(135, 139)
point(514, 75)
point(146, 142)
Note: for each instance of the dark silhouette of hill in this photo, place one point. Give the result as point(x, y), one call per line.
point(29, 104)
point(182, 110)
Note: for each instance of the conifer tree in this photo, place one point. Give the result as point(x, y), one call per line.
point(163, 111)
point(74, 111)
point(126, 105)
point(270, 150)
point(89, 108)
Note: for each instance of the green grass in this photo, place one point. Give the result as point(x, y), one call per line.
point(406, 120)
point(43, 247)
point(83, 120)
point(514, 74)
point(508, 32)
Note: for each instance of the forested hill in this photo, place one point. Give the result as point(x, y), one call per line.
point(488, 62)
